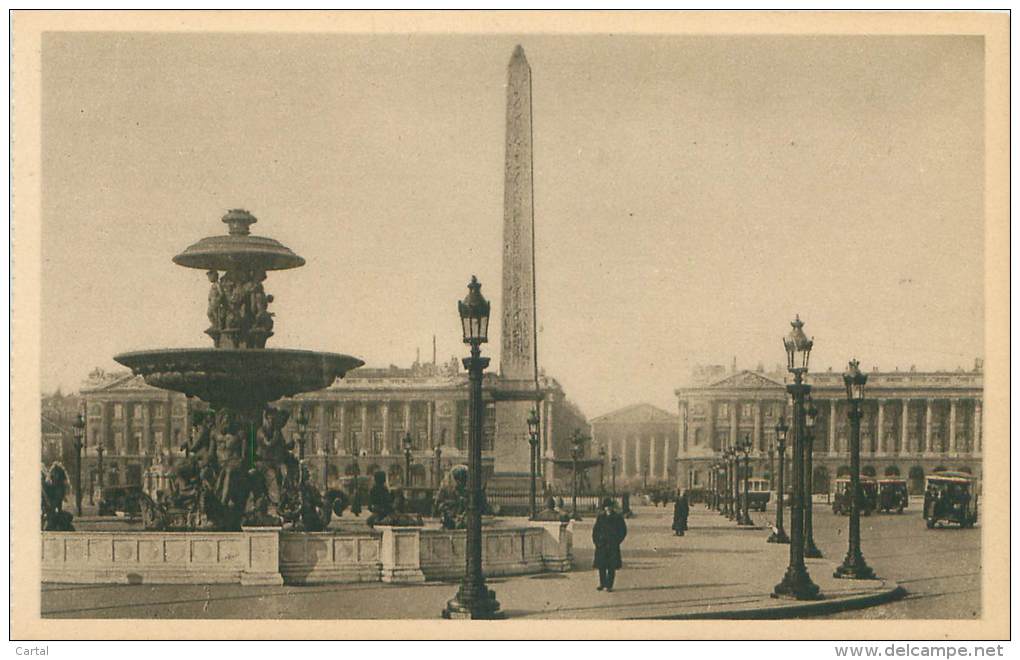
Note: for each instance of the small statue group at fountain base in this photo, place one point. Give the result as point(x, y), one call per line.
point(451, 501)
point(225, 483)
point(388, 510)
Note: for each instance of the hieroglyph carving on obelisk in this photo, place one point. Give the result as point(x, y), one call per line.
point(518, 351)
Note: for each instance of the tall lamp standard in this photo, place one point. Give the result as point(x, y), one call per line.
point(474, 600)
point(745, 448)
point(612, 466)
point(854, 567)
point(737, 514)
point(810, 417)
point(576, 449)
point(533, 422)
point(78, 431)
point(437, 465)
point(100, 450)
point(796, 583)
point(779, 536)
point(408, 454)
point(772, 466)
point(731, 480)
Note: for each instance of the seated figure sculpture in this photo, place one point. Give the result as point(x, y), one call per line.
point(387, 510)
point(452, 499)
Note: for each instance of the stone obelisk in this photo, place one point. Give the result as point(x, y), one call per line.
point(518, 351)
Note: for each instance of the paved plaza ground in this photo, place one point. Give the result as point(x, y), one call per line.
point(716, 569)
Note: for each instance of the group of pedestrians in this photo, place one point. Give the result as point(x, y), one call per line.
point(610, 529)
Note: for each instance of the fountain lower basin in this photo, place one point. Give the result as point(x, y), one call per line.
point(238, 376)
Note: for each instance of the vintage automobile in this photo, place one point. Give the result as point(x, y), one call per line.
point(950, 497)
point(892, 494)
point(758, 490)
point(122, 501)
point(868, 501)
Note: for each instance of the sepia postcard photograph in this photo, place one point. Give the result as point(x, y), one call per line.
point(539, 325)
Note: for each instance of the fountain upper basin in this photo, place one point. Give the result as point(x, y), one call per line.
point(243, 377)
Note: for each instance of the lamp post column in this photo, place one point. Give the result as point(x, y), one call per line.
point(747, 485)
point(796, 583)
point(810, 549)
point(474, 600)
point(854, 567)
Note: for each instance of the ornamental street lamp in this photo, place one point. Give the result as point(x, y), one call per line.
point(533, 422)
point(745, 518)
point(779, 536)
point(576, 451)
point(78, 430)
point(437, 466)
point(810, 417)
point(474, 600)
point(731, 484)
point(713, 476)
point(796, 583)
point(99, 467)
point(772, 467)
point(724, 474)
point(737, 512)
point(854, 567)
point(408, 454)
point(612, 465)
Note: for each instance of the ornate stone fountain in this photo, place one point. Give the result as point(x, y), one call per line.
point(239, 468)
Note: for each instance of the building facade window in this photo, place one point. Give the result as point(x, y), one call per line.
point(136, 411)
point(159, 411)
point(722, 410)
point(746, 410)
point(118, 411)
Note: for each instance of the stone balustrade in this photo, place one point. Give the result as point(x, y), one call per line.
point(271, 556)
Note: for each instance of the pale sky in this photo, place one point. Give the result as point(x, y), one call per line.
point(691, 195)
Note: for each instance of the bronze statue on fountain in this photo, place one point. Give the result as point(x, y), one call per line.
point(239, 469)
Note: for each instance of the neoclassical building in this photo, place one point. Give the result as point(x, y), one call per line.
point(914, 422)
point(643, 439)
point(357, 424)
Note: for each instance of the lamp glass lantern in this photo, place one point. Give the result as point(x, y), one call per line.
point(407, 443)
point(474, 314)
point(855, 380)
point(810, 413)
point(781, 431)
point(798, 347)
point(533, 423)
point(78, 428)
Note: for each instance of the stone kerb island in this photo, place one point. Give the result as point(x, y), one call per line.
point(266, 555)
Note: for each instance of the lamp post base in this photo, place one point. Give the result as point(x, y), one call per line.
point(854, 568)
point(485, 607)
point(778, 536)
point(811, 551)
point(745, 521)
point(797, 585)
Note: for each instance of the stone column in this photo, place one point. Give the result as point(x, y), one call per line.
point(341, 445)
point(407, 422)
point(430, 416)
point(105, 434)
point(325, 442)
point(623, 458)
point(952, 426)
point(832, 427)
point(976, 449)
point(384, 410)
point(758, 439)
point(880, 430)
point(651, 456)
point(905, 427)
point(549, 449)
point(143, 449)
point(710, 424)
point(366, 430)
point(927, 426)
point(665, 456)
point(733, 422)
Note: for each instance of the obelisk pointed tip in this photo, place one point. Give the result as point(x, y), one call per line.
point(518, 55)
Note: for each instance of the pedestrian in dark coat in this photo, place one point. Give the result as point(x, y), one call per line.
point(680, 511)
point(607, 535)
